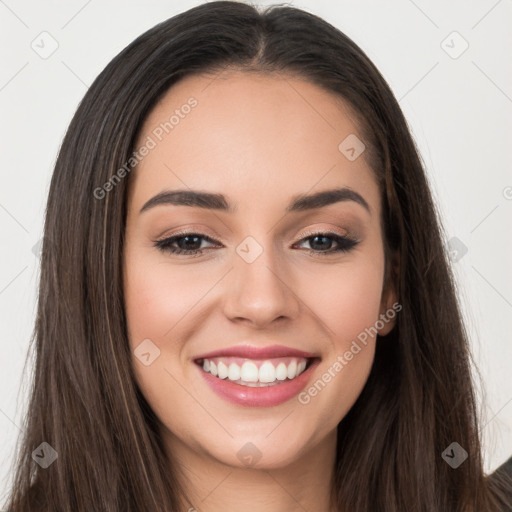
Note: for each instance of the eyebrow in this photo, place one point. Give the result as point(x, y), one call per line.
point(212, 201)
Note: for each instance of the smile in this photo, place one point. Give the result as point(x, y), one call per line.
point(257, 376)
point(255, 373)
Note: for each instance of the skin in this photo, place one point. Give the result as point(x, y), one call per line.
point(259, 140)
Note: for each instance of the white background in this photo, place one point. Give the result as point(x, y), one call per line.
point(459, 110)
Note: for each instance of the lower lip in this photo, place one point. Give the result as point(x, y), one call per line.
point(258, 397)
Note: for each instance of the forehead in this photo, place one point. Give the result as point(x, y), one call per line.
point(251, 136)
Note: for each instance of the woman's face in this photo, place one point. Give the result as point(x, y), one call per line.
point(270, 284)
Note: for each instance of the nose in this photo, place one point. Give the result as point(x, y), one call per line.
point(260, 292)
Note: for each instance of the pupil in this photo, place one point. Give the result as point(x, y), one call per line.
point(323, 238)
point(187, 245)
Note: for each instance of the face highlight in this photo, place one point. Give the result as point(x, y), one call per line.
point(247, 229)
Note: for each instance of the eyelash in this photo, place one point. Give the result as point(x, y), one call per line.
point(345, 243)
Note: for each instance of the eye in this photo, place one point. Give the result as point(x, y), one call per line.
point(189, 244)
point(321, 243)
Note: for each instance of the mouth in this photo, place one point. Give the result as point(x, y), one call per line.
point(257, 381)
point(253, 372)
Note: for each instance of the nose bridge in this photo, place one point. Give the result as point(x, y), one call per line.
point(258, 289)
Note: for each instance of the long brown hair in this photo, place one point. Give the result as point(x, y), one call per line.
point(85, 402)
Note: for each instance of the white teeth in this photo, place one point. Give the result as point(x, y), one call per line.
point(234, 372)
point(281, 371)
point(257, 384)
point(249, 372)
point(292, 369)
point(222, 370)
point(250, 375)
point(267, 372)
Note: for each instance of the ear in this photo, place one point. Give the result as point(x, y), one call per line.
point(389, 305)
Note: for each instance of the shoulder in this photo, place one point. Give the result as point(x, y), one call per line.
point(504, 469)
point(501, 483)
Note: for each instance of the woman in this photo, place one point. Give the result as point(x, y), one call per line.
point(245, 300)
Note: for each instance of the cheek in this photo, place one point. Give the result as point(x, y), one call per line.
point(158, 296)
point(158, 300)
point(355, 304)
point(346, 297)
point(347, 301)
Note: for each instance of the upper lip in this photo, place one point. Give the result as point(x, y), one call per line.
point(252, 352)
